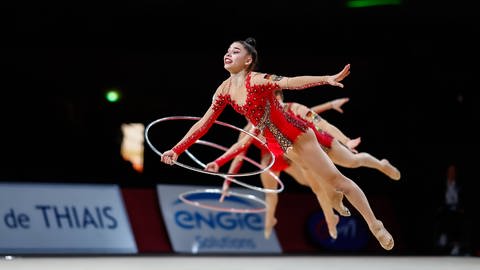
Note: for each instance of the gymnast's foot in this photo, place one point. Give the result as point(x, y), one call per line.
point(390, 170)
point(226, 185)
point(224, 194)
point(383, 236)
point(338, 205)
point(332, 226)
point(269, 227)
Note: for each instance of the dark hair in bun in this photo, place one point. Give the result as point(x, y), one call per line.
point(251, 41)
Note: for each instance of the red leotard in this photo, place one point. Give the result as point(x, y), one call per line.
point(264, 111)
point(281, 162)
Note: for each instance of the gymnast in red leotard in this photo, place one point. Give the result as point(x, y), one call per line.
point(336, 147)
point(281, 164)
point(251, 94)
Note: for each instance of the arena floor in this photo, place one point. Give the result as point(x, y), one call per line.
point(242, 263)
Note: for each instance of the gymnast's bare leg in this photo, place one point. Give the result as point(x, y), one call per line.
point(271, 199)
point(304, 178)
point(307, 151)
point(342, 156)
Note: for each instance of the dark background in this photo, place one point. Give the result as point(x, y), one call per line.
point(412, 88)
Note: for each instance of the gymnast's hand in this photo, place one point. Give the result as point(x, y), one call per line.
point(212, 167)
point(169, 157)
point(337, 104)
point(337, 78)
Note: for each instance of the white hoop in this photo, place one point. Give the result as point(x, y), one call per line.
point(272, 160)
point(183, 197)
point(265, 190)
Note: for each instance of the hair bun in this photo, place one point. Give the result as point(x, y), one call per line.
point(251, 41)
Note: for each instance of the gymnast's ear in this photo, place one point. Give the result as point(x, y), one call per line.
point(248, 61)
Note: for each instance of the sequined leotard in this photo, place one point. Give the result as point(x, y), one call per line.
point(281, 162)
point(263, 110)
point(279, 127)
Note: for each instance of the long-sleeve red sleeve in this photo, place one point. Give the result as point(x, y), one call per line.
point(202, 126)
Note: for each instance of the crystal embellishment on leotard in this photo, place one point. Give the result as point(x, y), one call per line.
point(260, 106)
point(265, 122)
point(219, 103)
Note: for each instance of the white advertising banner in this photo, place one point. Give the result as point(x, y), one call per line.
point(194, 229)
point(63, 218)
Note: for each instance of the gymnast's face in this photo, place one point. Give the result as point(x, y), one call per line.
point(237, 58)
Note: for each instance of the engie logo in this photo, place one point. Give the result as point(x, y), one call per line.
point(223, 220)
point(198, 221)
point(218, 220)
point(352, 233)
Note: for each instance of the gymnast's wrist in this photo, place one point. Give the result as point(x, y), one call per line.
point(219, 161)
point(177, 151)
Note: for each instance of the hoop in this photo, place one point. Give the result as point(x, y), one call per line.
point(265, 190)
point(183, 197)
point(147, 129)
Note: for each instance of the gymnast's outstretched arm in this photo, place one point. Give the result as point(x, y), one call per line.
point(335, 104)
point(199, 128)
point(302, 82)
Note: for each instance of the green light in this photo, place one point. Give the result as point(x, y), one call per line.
point(371, 3)
point(113, 95)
